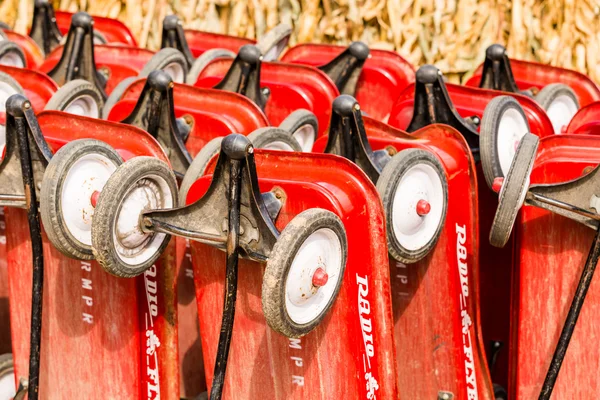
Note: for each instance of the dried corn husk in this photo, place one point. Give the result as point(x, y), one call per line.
point(452, 34)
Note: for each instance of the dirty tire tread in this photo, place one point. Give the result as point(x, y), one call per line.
point(6, 363)
point(551, 91)
point(70, 91)
point(298, 119)
point(488, 135)
point(516, 179)
point(9, 80)
point(387, 185)
point(116, 95)
point(8, 46)
point(197, 168)
point(50, 194)
point(274, 37)
point(163, 58)
point(206, 58)
point(108, 206)
point(282, 256)
point(263, 137)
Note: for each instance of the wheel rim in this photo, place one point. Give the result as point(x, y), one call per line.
point(7, 385)
point(85, 177)
point(411, 227)
point(6, 91)
point(175, 71)
point(305, 137)
point(560, 111)
point(84, 105)
point(12, 59)
point(133, 246)
point(511, 129)
point(304, 301)
point(278, 145)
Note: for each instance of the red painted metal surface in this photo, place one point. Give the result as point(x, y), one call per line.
point(34, 56)
point(435, 301)
point(530, 74)
point(332, 362)
point(113, 30)
point(470, 102)
point(385, 74)
point(214, 112)
point(119, 62)
point(200, 41)
point(110, 323)
point(292, 87)
point(586, 121)
point(39, 88)
point(551, 251)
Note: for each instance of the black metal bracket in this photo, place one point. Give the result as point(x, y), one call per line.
point(173, 36)
point(77, 59)
point(434, 106)
point(243, 76)
point(206, 220)
point(496, 73)
point(154, 112)
point(348, 138)
point(27, 154)
point(345, 69)
point(20, 118)
point(44, 30)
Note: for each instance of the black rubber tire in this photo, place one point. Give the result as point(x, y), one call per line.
point(197, 167)
point(99, 38)
point(301, 119)
point(73, 90)
point(511, 194)
point(206, 58)
point(51, 194)
point(272, 43)
point(387, 184)
point(4, 25)
point(162, 59)
point(11, 47)
point(10, 81)
point(278, 266)
point(7, 366)
point(109, 205)
point(274, 139)
point(116, 95)
point(549, 92)
point(488, 135)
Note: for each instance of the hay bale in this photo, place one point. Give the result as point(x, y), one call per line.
point(452, 34)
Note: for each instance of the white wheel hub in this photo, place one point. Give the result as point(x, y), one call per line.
point(313, 276)
point(132, 244)
point(278, 145)
point(417, 207)
point(305, 137)
point(12, 59)
point(7, 386)
point(86, 176)
point(175, 71)
point(6, 91)
point(511, 129)
point(561, 111)
point(84, 105)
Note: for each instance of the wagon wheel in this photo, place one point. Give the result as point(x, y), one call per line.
point(77, 97)
point(561, 104)
point(303, 125)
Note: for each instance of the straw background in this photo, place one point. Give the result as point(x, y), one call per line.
point(452, 34)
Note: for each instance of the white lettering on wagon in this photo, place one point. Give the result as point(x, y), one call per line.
point(463, 272)
point(297, 363)
point(366, 326)
point(152, 341)
point(87, 296)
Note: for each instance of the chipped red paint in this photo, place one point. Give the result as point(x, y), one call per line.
point(385, 74)
point(330, 362)
point(530, 74)
point(112, 324)
point(292, 87)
